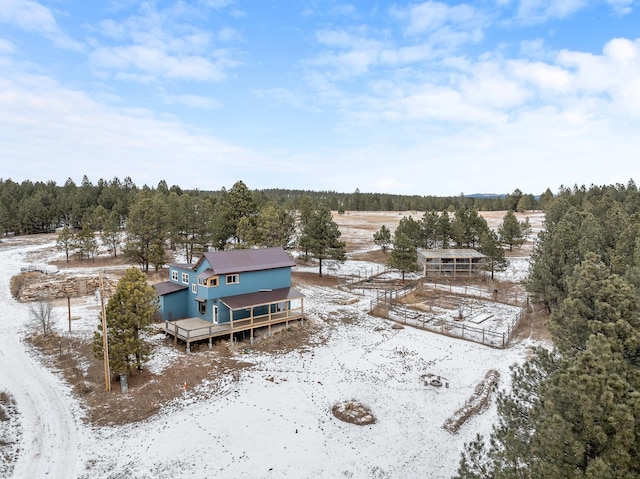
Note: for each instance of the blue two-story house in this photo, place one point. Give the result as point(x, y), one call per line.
point(236, 290)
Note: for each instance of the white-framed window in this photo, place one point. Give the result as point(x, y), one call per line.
point(233, 279)
point(174, 275)
point(185, 278)
point(210, 282)
point(194, 288)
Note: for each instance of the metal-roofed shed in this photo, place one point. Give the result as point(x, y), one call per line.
point(451, 261)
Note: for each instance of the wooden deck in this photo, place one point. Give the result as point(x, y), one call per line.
point(196, 329)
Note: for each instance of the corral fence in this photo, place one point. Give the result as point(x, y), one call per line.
point(512, 298)
point(392, 296)
point(363, 275)
point(386, 305)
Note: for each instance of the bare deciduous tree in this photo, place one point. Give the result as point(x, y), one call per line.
point(40, 313)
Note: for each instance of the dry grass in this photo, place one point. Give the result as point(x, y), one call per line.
point(476, 403)
point(353, 412)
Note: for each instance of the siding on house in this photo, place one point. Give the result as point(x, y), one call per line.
point(255, 270)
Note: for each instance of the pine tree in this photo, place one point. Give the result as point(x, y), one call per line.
point(511, 231)
point(66, 241)
point(110, 236)
point(382, 238)
point(85, 242)
point(490, 246)
point(321, 236)
point(146, 230)
point(404, 256)
point(429, 226)
point(274, 226)
point(412, 230)
point(129, 312)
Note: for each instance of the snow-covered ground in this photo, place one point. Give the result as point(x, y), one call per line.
point(275, 420)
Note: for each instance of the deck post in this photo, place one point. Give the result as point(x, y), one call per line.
point(251, 340)
point(210, 342)
point(188, 347)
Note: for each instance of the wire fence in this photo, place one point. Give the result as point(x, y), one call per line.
point(386, 305)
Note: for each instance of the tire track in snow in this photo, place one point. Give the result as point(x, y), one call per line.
point(50, 441)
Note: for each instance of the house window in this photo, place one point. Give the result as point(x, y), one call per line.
point(174, 275)
point(233, 279)
point(211, 282)
point(194, 288)
point(202, 307)
point(185, 278)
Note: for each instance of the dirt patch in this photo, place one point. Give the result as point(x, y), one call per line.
point(309, 278)
point(476, 403)
point(147, 392)
point(353, 412)
point(204, 371)
point(374, 256)
point(534, 325)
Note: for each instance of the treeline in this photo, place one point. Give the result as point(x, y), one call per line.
point(574, 409)
point(38, 207)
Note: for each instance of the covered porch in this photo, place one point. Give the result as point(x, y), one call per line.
point(246, 313)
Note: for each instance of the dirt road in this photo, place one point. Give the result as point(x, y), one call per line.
point(50, 431)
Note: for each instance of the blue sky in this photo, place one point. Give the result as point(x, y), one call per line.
point(427, 98)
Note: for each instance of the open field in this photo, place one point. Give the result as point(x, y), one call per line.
point(260, 411)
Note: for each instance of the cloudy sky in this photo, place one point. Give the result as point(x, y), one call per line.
point(431, 98)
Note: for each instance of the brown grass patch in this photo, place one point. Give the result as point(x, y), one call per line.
point(147, 393)
point(353, 412)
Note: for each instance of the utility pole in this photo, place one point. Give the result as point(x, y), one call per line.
point(69, 309)
point(105, 341)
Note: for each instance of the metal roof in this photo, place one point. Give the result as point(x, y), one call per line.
point(167, 287)
point(241, 260)
point(450, 253)
point(242, 301)
point(206, 274)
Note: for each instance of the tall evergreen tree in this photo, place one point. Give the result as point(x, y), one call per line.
point(382, 238)
point(404, 256)
point(110, 236)
point(490, 246)
point(322, 237)
point(146, 230)
point(129, 312)
point(86, 242)
point(274, 226)
point(511, 231)
point(66, 241)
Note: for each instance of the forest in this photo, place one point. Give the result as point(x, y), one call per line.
point(574, 409)
point(38, 207)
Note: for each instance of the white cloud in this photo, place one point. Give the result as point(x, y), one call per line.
point(31, 16)
point(621, 7)
point(532, 11)
point(166, 44)
point(159, 63)
point(193, 101)
point(431, 16)
point(6, 47)
point(63, 133)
